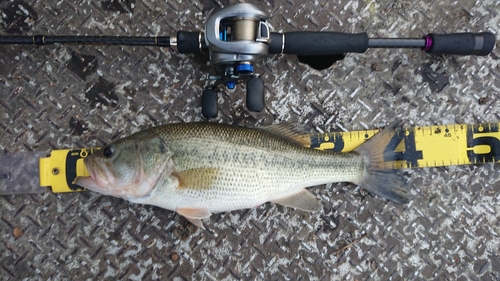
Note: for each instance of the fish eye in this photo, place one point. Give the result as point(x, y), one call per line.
point(108, 151)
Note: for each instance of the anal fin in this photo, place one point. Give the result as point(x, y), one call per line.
point(303, 200)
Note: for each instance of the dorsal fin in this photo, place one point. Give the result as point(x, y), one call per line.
point(294, 132)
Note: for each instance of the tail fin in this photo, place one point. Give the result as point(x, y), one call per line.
point(388, 184)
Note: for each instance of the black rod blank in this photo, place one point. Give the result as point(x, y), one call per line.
point(163, 41)
point(396, 43)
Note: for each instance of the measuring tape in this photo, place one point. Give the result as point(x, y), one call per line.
point(415, 147)
point(426, 146)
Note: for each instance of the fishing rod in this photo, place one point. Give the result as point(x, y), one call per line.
point(237, 36)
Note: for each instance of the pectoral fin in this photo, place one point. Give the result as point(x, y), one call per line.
point(194, 215)
point(200, 178)
point(303, 200)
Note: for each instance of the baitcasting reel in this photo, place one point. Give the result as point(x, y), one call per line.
point(238, 35)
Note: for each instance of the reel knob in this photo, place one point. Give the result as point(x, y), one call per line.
point(255, 94)
point(209, 103)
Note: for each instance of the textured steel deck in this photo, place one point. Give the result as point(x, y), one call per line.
point(80, 96)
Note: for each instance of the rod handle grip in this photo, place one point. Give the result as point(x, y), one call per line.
point(307, 43)
point(189, 42)
point(480, 44)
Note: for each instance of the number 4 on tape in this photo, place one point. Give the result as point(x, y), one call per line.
point(404, 146)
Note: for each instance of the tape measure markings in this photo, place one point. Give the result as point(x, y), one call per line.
point(425, 146)
point(421, 146)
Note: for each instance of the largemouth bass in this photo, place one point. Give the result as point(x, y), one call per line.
point(197, 169)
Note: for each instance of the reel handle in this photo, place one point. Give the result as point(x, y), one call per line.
point(480, 44)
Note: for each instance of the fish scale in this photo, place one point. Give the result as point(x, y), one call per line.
point(197, 169)
point(248, 181)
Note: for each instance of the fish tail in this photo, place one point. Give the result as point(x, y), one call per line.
point(385, 183)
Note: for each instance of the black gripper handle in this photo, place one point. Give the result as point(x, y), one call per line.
point(480, 44)
point(189, 42)
point(306, 43)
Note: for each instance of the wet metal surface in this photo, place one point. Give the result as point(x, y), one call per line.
point(85, 96)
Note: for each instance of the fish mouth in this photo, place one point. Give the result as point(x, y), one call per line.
point(101, 179)
point(89, 181)
point(92, 182)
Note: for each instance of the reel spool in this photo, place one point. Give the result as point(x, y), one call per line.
point(244, 29)
point(236, 37)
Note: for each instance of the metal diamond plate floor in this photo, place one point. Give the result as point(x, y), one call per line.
point(84, 96)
